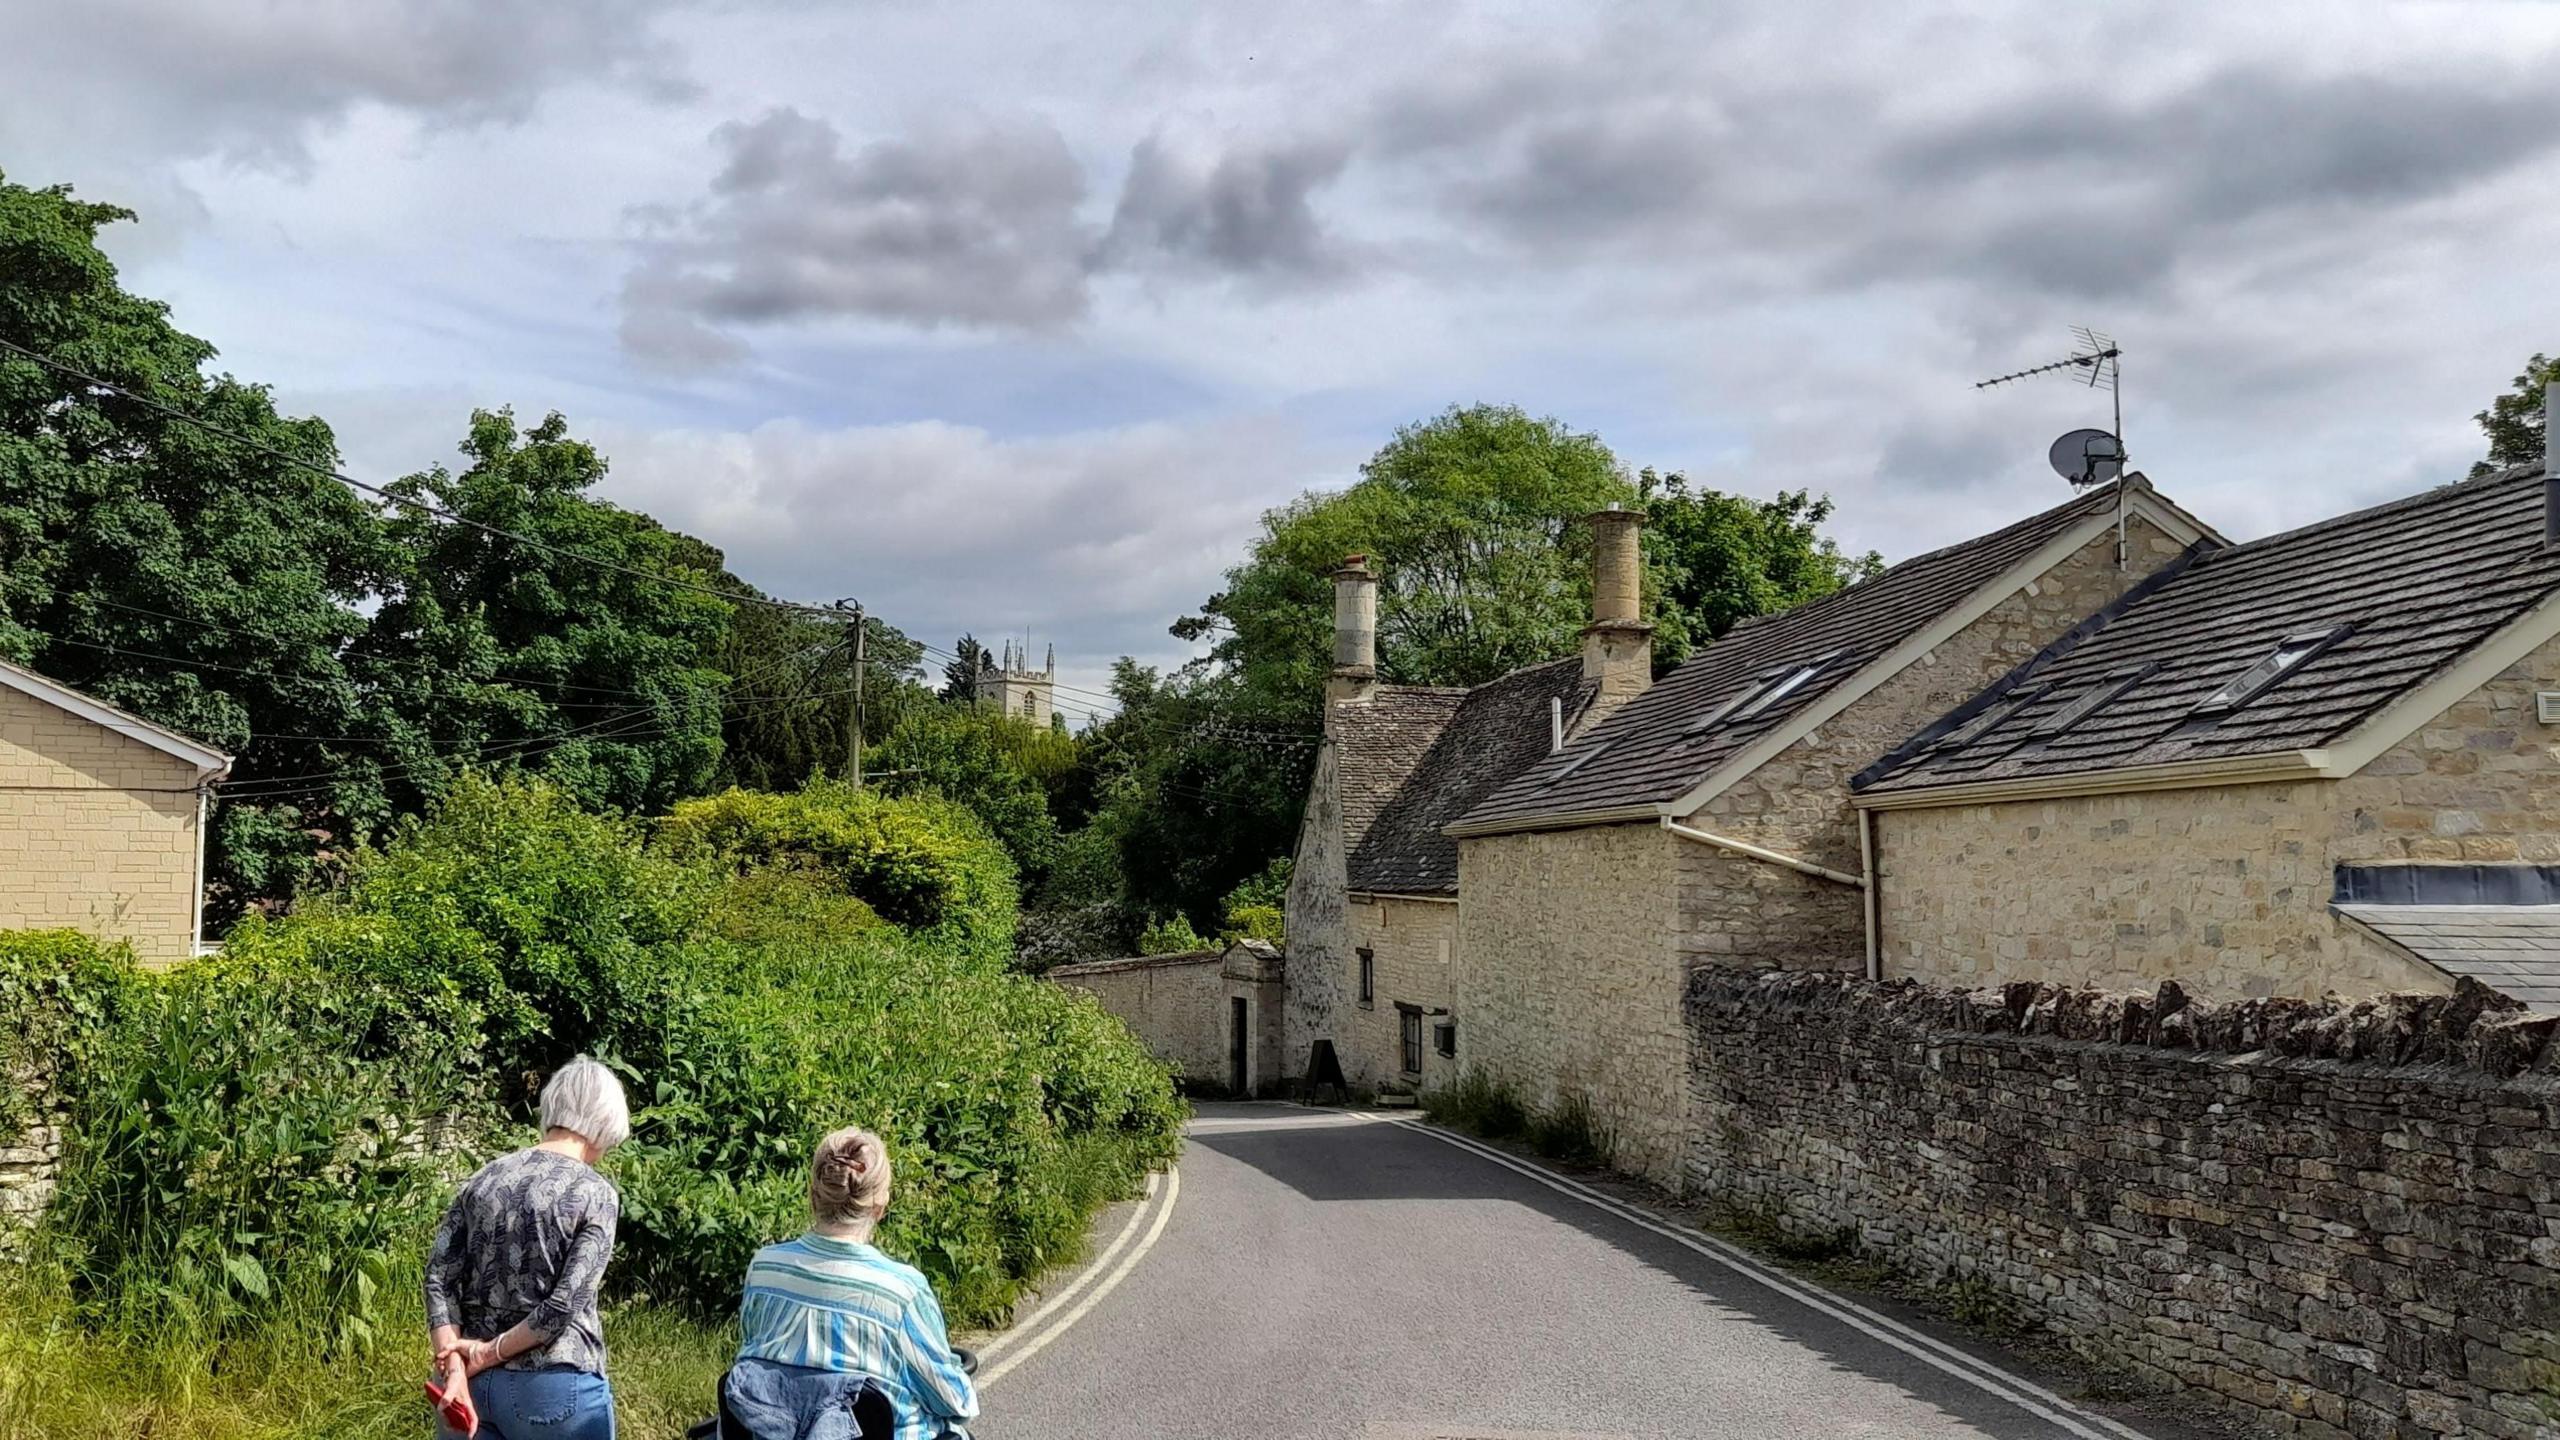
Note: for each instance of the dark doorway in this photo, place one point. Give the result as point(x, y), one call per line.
point(1237, 1013)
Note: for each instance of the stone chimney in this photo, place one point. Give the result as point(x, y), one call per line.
point(1617, 646)
point(2551, 464)
point(1355, 634)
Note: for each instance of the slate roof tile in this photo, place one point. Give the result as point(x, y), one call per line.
point(1427, 756)
point(2514, 949)
point(1651, 751)
point(2408, 587)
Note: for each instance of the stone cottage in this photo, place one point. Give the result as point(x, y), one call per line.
point(102, 819)
point(2325, 761)
point(1708, 819)
point(1372, 917)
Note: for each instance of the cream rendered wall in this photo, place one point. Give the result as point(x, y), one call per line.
point(1569, 977)
point(1413, 944)
point(2224, 888)
point(97, 832)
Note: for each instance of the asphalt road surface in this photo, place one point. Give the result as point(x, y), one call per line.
point(1321, 1274)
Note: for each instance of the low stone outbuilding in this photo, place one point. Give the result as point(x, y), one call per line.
point(102, 819)
point(1708, 820)
point(2327, 761)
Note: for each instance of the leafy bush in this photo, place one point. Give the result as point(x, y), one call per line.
point(1170, 937)
point(543, 913)
point(255, 1138)
point(983, 760)
point(1477, 1102)
point(922, 862)
point(1012, 1110)
point(61, 995)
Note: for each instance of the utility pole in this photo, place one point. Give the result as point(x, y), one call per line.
point(853, 716)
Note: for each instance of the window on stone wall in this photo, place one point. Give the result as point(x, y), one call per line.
point(1444, 1037)
point(1409, 1023)
point(1368, 975)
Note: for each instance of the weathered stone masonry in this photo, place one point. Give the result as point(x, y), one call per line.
point(30, 1157)
point(2344, 1220)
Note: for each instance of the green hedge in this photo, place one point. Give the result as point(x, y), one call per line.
point(922, 862)
point(263, 1140)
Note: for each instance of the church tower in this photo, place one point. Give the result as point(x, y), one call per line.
point(1018, 690)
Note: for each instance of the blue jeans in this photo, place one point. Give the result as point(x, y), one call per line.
point(554, 1404)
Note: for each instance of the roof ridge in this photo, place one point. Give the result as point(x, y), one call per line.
point(2430, 495)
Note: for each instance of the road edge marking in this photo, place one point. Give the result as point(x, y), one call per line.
point(1036, 1343)
point(1022, 1327)
point(1968, 1367)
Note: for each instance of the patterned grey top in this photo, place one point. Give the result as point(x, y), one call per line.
point(526, 1239)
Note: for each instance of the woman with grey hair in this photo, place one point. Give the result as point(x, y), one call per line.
point(512, 1279)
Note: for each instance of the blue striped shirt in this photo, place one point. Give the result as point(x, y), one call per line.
point(841, 1305)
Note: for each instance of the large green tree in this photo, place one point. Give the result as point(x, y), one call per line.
point(1468, 517)
point(2514, 422)
point(203, 582)
point(1714, 559)
point(576, 651)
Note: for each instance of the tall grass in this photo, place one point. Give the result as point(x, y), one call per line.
point(1567, 1130)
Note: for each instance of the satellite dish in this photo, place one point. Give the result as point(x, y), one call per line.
point(2087, 457)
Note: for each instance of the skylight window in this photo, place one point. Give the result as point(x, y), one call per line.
point(1767, 690)
point(2289, 654)
point(1987, 719)
point(2081, 709)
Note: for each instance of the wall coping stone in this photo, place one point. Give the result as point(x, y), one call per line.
point(2474, 1028)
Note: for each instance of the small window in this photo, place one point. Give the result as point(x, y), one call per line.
point(1409, 1027)
point(1765, 690)
point(1444, 1037)
point(1368, 975)
point(2088, 703)
point(1988, 719)
point(2289, 654)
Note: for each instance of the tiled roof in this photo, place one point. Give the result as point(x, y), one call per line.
point(1652, 750)
point(1496, 730)
point(2513, 949)
point(2393, 594)
point(1377, 745)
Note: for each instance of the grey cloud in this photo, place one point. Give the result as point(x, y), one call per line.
point(981, 227)
point(255, 83)
point(1244, 211)
point(972, 226)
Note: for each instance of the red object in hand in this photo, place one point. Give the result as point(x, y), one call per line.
point(454, 1404)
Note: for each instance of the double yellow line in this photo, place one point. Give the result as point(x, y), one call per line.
point(1055, 1314)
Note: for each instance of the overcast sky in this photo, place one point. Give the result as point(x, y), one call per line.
point(1007, 317)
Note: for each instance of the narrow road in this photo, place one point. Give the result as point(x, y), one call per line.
point(1321, 1274)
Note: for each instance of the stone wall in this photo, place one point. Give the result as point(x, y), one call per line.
point(1411, 944)
point(97, 832)
point(1569, 977)
point(2338, 1219)
point(30, 1157)
point(1175, 1004)
point(1317, 935)
point(2223, 888)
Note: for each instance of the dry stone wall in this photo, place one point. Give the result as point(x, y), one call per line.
point(30, 1158)
point(2341, 1219)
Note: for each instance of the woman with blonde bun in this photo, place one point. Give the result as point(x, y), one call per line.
point(827, 1315)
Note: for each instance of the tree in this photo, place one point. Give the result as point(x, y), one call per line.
point(568, 653)
point(1470, 519)
point(985, 761)
point(197, 580)
point(2514, 422)
point(960, 673)
point(789, 691)
point(1714, 559)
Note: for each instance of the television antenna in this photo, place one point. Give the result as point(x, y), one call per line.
point(2087, 457)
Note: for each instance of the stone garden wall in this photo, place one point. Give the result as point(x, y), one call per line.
point(2343, 1220)
point(30, 1157)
